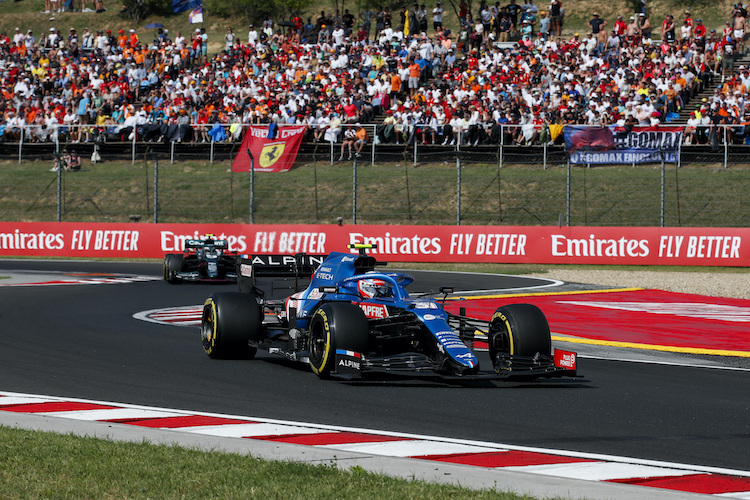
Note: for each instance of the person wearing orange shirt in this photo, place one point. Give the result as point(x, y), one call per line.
point(395, 86)
point(122, 39)
point(414, 72)
point(360, 140)
point(134, 40)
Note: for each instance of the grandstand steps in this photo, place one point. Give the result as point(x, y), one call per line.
point(708, 92)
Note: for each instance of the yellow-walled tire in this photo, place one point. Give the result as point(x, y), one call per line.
point(229, 321)
point(335, 325)
point(519, 330)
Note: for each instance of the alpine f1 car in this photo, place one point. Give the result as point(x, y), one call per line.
point(206, 259)
point(352, 320)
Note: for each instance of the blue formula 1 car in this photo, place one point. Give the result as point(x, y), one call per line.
point(207, 259)
point(352, 320)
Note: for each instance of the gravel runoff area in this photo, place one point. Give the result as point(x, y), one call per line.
point(723, 284)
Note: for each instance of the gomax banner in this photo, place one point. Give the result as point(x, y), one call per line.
point(615, 144)
point(273, 149)
point(503, 244)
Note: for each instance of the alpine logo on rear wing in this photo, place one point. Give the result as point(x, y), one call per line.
point(280, 265)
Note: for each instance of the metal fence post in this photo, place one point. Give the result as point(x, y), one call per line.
point(458, 186)
point(354, 191)
point(726, 146)
point(374, 137)
point(156, 189)
point(331, 149)
point(211, 157)
point(567, 193)
point(252, 186)
point(133, 153)
point(663, 189)
point(502, 138)
point(20, 146)
point(59, 163)
point(414, 138)
point(171, 153)
point(544, 162)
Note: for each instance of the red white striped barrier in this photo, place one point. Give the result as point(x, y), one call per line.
point(590, 467)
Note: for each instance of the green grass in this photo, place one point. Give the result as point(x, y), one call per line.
point(390, 193)
point(48, 465)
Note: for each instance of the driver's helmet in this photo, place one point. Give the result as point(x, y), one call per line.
point(374, 288)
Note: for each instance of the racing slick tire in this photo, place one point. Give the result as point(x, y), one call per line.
point(173, 264)
point(229, 321)
point(519, 330)
point(335, 325)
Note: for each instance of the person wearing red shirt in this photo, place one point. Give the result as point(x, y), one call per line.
point(352, 114)
point(700, 33)
point(620, 26)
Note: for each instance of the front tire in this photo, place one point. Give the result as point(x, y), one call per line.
point(519, 330)
point(173, 264)
point(229, 321)
point(335, 325)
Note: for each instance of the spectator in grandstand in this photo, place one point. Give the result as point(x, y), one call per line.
point(437, 17)
point(72, 161)
point(645, 25)
point(544, 25)
point(350, 137)
point(739, 24)
point(360, 140)
point(284, 81)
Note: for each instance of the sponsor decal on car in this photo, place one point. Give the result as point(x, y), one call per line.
point(449, 340)
point(565, 359)
point(374, 310)
point(348, 363)
point(246, 270)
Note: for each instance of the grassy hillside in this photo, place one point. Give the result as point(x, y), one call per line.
point(27, 14)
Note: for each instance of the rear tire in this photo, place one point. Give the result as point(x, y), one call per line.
point(173, 264)
point(229, 321)
point(519, 330)
point(335, 325)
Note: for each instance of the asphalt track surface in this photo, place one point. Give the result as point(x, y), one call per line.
point(82, 341)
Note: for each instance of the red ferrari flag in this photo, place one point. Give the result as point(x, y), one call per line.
point(270, 154)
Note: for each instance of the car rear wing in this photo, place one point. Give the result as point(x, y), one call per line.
point(222, 244)
point(251, 267)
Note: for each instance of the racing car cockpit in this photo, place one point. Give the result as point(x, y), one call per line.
point(374, 288)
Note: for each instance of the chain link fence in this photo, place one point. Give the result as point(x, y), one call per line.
point(407, 183)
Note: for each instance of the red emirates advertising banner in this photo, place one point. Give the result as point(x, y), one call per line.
point(502, 244)
point(271, 154)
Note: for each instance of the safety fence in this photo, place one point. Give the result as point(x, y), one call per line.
point(411, 183)
point(417, 144)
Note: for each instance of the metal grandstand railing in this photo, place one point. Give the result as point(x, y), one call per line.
point(725, 144)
